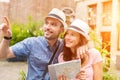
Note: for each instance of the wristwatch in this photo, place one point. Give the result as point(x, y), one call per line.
point(7, 38)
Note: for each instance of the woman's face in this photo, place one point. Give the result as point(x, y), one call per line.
point(72, 39)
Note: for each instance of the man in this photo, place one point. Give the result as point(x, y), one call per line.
point(39, 49)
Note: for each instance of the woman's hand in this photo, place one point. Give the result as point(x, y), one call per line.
point(81, 75)
point(62, 77)
point(5, 27)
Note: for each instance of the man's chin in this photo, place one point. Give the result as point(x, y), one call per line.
point(48, 38)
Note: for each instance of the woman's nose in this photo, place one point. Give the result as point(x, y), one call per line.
point(67, 37)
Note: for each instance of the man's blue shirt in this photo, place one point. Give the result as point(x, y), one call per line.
point(38, 53)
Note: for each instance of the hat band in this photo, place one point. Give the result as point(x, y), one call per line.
point(77, 28)
point(56, 16)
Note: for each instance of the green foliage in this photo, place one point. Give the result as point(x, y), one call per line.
point(62, 35)
point(98, 45)
point(21, 31)
point(109, 76)
point(105, 55)
point(22, 75)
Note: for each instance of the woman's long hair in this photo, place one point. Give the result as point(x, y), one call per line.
point(67, 53)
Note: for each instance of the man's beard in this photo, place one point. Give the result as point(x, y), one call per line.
point(49, 35)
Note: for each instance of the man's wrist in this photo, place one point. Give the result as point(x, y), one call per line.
point(7, 38)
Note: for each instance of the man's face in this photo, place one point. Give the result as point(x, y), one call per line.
point(52, 28)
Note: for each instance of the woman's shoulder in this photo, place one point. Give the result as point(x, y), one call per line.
point(95, 55)
point(93, 51)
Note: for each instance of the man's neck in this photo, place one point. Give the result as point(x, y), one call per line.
point(52, 42)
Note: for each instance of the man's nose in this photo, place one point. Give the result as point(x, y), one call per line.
point(48, 26)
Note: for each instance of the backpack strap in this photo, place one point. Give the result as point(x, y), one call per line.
point(50, 61)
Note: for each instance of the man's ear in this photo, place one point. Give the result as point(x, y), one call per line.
point(62, 29)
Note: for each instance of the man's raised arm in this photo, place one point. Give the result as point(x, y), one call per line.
point(5, 51)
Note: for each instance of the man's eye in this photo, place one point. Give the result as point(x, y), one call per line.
point(46, 22)
point(52, 24)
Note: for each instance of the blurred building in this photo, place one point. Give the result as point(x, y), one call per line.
point(4, 6)
point(103, 16)
point(19, 10)
point(3, 11)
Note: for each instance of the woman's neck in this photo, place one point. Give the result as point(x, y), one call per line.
point(73, 50)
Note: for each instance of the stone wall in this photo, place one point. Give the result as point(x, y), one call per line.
point(19, 10)
point(3, 10)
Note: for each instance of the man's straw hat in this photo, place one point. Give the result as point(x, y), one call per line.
point(57, 14)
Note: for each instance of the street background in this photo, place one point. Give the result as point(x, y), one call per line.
point(11, 70)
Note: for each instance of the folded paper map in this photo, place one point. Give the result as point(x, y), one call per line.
point(69, 69)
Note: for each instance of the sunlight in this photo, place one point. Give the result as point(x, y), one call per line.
point(4, 0)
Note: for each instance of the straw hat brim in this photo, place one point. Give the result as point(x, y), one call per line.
point(64, 24)
point(82, 33)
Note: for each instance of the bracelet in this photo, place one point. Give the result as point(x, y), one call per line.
point(7, 38)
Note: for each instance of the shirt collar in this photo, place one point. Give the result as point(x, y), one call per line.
point(48, 46)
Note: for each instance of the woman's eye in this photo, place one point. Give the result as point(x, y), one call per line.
point(72, 34)
point(53, 24)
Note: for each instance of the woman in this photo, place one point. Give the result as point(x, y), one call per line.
point(76, 36)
